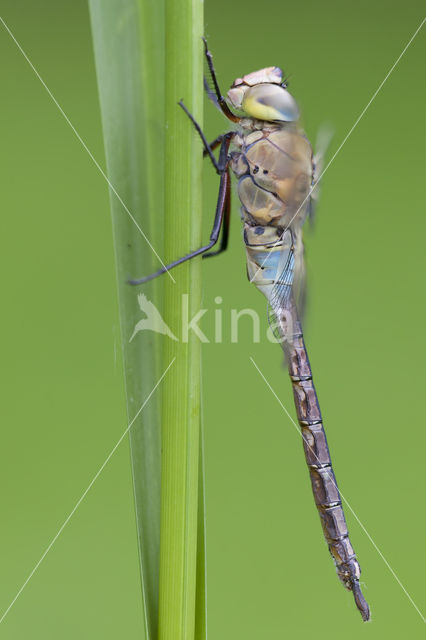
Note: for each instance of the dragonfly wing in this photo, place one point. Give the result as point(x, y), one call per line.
point(286, 298)
point(323, 140)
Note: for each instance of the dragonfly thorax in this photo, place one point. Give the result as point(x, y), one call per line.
point(274, 170)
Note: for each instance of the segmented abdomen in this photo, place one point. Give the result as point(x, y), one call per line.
point(317, 454)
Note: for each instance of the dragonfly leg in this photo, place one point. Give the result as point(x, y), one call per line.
point(222, 200)
point(210, 94)
point(207, 148)
point(220, 99)
point(214, 144)
point(226, 221)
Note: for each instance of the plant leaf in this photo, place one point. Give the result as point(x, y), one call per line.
point(181, 391)
point(128, 37)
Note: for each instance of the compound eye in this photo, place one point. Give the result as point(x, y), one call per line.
point(270, 102)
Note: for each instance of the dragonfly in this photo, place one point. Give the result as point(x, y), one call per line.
point(277, 173)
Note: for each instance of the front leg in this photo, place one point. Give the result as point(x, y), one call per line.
point(222, 208)
point(207, 148)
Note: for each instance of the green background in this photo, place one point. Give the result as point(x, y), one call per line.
point(63, 408)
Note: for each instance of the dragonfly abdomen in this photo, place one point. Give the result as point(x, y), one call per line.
point(317, 455)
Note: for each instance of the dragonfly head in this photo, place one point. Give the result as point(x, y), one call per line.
point(263, 95)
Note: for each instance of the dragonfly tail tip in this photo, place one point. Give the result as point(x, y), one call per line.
point(360, 601)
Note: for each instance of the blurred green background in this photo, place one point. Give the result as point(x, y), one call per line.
point(63, 408)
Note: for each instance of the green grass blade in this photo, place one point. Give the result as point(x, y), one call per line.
point(201, 595)
point(128, 38)
point(181, 391)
